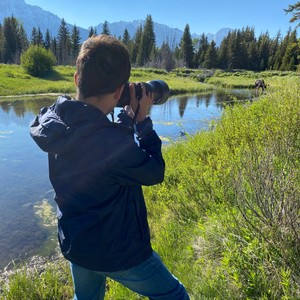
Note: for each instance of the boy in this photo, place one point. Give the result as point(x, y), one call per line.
point(97, 170)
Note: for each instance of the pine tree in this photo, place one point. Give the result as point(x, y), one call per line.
point(37, 38)
point(202, 48)
point(167, 59)
point(249, 35)
point(63, 44)
point(242, 49)
point(126, 38)
point(12, 48)
point(11, 40)
point(147, 46)
point(92, 31)
point(231, 50)
point(263, 50)
point(281, 50)
point(253, 63)
point(234, 50)
point(295, 11)
point(223, 60)
point(274, 46)
point(23, 41)
point(210, 60)
point(136, 44)
point(48, 40)
point(186, 47)
point(54, 47)
point(105, 28)
point(75, 43)
point(40, 38)
point(290, 58)
point(177, 55)
point(33, 38)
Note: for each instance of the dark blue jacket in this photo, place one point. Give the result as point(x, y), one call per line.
point(97, 169)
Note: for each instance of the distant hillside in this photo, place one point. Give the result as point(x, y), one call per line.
point(33, 16)
point(163, 33)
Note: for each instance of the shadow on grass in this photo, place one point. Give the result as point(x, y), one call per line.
point(53, 75)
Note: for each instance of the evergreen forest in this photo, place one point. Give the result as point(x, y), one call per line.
point(240, 49)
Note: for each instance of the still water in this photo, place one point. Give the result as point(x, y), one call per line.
point(23, 166)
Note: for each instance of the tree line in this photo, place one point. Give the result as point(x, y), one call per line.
point(240, 49)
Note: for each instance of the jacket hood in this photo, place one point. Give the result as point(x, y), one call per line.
point(59, 127)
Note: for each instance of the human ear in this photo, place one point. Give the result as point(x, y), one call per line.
point(118, 92)
point(76, 78)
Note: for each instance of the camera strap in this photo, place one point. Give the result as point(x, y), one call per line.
point(112, 114)
point(136, 112)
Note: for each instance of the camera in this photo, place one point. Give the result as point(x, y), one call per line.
point(159, 88)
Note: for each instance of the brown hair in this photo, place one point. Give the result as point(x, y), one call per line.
point(102, 65)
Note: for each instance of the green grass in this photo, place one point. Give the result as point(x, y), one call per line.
point(52, 282)
point(246, 79)
point(217, 220)
point(14, 81)
point(226, 218)
point(178, 82)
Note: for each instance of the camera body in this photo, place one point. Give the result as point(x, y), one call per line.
point(158, 88)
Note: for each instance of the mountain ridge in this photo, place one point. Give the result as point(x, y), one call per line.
point(34, 16)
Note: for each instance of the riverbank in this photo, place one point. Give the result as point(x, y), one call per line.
point(16, 83)
point(225, 220)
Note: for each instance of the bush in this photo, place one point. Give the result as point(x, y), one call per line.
point(37, 61)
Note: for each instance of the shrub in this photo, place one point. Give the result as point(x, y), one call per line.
point(37, 61)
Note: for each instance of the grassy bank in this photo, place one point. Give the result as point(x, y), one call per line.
point(246, 79)
point(230, 227)
point(226, 218)
point(14, 81)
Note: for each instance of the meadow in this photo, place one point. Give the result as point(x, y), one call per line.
point(226, 218)
point(15, 82)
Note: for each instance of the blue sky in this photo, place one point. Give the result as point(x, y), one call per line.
point(202, 16)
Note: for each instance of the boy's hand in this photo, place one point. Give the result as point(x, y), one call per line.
point(145, 103)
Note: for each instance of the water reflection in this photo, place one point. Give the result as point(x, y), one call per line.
point(23, 182)
point(23, 166)
point(20, 107)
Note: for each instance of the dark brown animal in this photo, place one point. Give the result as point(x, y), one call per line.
point(260, 83)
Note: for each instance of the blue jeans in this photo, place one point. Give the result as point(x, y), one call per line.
point(151, 278)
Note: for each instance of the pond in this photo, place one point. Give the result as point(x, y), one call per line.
point(23, 166)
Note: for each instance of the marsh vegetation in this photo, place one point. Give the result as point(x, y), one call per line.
point(226, 218)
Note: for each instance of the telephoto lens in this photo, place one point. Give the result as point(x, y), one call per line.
point(159, 88)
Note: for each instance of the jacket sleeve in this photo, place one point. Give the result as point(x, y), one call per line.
point(139, 162)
